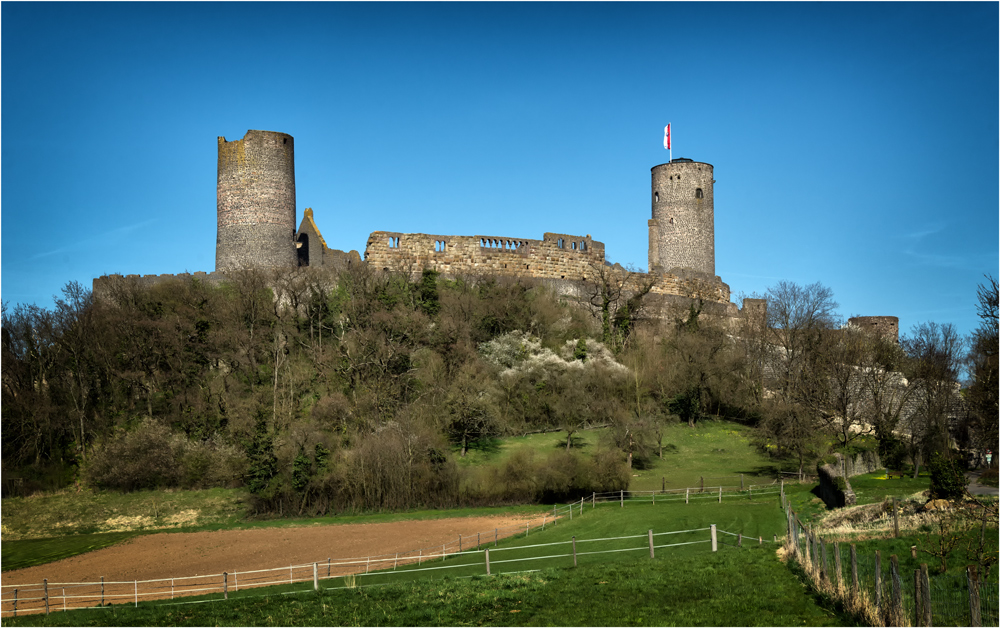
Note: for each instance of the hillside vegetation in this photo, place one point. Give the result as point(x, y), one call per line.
point(325, 391)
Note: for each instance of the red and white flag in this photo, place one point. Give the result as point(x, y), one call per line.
point(666, 137)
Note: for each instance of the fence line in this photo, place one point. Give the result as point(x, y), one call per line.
point(26, 598)
point(861, 582)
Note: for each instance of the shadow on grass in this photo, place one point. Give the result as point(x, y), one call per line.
point(844, 616)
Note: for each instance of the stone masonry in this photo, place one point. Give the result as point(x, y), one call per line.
point(885, 326)
point(256, 202)
point(556, 256)
point(682, 229)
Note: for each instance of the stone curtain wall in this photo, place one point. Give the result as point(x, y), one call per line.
point(555, 256)
point(256, 202)
point(885, 326)
point(574, 261)
point(682, 230)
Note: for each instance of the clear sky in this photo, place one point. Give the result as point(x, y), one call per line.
point(854, 144)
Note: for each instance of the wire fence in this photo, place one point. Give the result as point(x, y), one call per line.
point(48, 597)
point(876, 587)
point(465, 556)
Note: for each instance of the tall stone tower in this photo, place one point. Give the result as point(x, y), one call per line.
point(682, 230)
point(256, 202)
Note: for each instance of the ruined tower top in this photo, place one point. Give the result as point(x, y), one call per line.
point(256, 202)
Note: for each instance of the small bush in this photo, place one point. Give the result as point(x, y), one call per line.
point(988, 477)
point(142, 458)
point(947, 480)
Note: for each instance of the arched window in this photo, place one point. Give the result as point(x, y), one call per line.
point(656, 197)
point(699, 194)
point(559, 243)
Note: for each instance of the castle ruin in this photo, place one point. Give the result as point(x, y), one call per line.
point(256, 208)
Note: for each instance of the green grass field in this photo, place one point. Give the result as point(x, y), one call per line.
point(719, 451)
point(686, 585)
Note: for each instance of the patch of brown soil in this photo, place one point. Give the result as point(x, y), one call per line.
point(180, 554)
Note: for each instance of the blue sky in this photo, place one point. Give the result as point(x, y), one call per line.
point(854, 144)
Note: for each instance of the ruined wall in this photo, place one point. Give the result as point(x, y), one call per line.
point(107, 285)
point(682, 229)
point(555, 256)
point(885, 326)
point(256, 202)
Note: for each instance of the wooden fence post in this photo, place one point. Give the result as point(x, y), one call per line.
point(15, 603)
point(702, 483)
point(420, 557)
point(496, 536)
point(836, 567)
point(444, 552)
point(45, 584)
point(652, 495)
point(395, 561)
point(715, 541)
point(664, 489)
point(64, 598)
point(918, 598)
point(971, 577)
point(760, 540)
point(651, 554)
point(570, 513)
point(593, 501)
point(854, 571)
point(895, 518)
point(315, 577)
point(574, 551)
point(878, 581)
point(236, 580)
point(687, 494)
point(925, 587)
point(720, 494)
point(225, 585)
point(459, 543)
point(487, 561)
point(897, 590)
point(621, 497)
point(477, 540)
point(102, 590)
point(822, 570)
point(739, 540)
point(136, 584)
point(327, 567)
point(171, 588)
point(741, 481)
point(782, 494)
point(751, 492)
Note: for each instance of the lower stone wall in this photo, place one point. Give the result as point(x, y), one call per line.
point(106, 285)
point(836, 493)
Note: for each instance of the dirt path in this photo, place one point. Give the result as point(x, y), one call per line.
point(175, 555)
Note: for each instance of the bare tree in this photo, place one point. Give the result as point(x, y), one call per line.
point(935, 353)
point(615, 294)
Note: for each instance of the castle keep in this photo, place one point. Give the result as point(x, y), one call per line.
point(256, 229)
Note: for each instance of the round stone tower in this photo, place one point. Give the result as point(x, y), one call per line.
point(256, 202)
point(682, 230)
